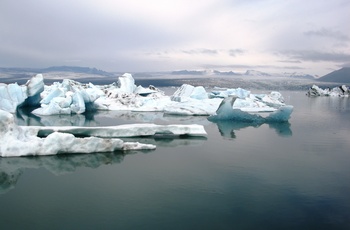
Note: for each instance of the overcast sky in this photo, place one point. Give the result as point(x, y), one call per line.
point(309, 36)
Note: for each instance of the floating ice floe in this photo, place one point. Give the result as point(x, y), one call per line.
point(341, 91)
point(130, 130)
point(24, 141)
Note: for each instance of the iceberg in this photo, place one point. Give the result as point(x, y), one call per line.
point(228, 111)
point(316, 91)
point(23, 141)
point(12, 96)
point(68, 97)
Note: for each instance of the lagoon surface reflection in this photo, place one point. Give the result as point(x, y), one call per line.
point(294, 175)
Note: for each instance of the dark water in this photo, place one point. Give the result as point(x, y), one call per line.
point(242, 176)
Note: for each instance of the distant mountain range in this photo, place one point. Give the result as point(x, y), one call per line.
point(248, 73)
point(217, 72)
point(299, 76)
point(72, 69)
point(342, 75)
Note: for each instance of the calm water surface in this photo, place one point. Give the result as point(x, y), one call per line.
point(242, 176)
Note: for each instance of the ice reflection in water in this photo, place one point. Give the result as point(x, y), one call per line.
point(227, 128)
point(11, 168)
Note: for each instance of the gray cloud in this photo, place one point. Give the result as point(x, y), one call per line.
point(152, 35)
point(201, 51)
point(41, 33)
point(345, 65)
point(315, 56)
point(290, 61)
point(328, 33)
point(245, 67)
point(235, 52)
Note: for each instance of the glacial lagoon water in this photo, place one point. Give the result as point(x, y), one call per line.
point(294, 175)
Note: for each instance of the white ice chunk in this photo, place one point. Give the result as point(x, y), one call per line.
point(52, 108)
point(144, 91)
point(12, 96)
point(78, 103)
point(55, 92)
point(191, 107)
point(35, 85)
point(182, 93)
point(188, 91)
point(68, 97)
point(126, 83)
point(199, 93)
point(274, 99)
point(238, 92)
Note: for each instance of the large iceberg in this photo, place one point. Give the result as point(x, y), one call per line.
point(341, 91)
point(72, 97)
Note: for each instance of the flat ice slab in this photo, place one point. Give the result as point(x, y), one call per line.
point(23, 141)
point(130, 130)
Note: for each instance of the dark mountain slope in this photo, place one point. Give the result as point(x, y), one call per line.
point(342, 76)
